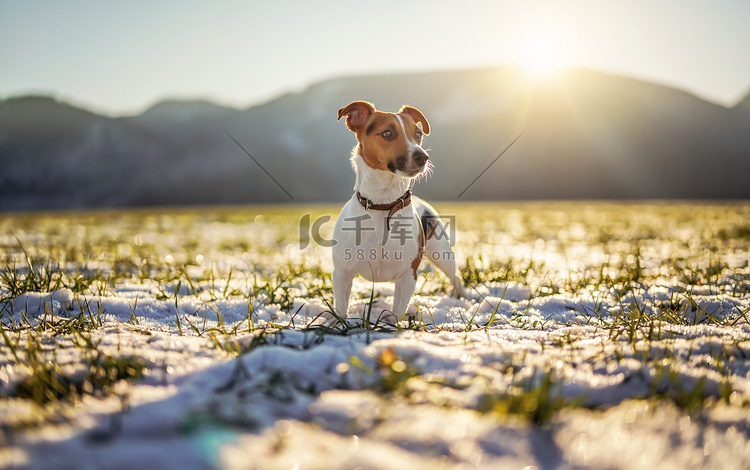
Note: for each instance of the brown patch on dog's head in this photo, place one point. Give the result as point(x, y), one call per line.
point(416, 116)
point(388, 141)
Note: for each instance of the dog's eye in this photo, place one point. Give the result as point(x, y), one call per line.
point(418, 136)
point(387, 135)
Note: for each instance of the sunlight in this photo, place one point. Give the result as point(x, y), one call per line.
point(541, 52)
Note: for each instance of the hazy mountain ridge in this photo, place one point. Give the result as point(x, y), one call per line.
point(587, 135)
point(744, 104)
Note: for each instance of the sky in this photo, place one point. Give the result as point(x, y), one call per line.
point(121, 57)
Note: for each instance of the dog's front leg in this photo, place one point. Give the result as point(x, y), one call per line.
point(402, 292)
point(342, 289)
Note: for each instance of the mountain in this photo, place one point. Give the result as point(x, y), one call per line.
point(744, 104)
point(56, 156)
point(586, 135)
point(185, 110)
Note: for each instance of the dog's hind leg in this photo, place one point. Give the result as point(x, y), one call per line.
point(438, 250)
point(439, 253)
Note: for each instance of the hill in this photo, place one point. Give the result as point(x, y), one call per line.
point(587, 135)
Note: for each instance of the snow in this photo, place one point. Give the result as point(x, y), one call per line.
point(36, 303)
point(511, 376)
point(308, 400)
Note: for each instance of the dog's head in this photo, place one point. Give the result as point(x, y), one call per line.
point(389, 141)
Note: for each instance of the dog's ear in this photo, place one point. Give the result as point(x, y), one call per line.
point(356, 114)
point(417, 115)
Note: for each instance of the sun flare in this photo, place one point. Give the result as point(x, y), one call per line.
point(541, 52)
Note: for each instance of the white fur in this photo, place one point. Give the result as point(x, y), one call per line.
point(378, 257)
point(380, 187)
point(412, 145)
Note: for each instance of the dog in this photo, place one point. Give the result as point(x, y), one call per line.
point(383, 231)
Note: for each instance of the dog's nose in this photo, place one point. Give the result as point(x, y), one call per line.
point(420, 157)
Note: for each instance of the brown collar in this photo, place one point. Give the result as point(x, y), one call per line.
point(391, 207)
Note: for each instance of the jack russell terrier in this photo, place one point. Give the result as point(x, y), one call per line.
point(384, 232)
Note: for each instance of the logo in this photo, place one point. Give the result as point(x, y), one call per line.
point(402, 230)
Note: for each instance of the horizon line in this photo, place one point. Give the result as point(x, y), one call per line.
point(206, 98)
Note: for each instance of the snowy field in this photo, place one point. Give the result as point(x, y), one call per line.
point(594, 335)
